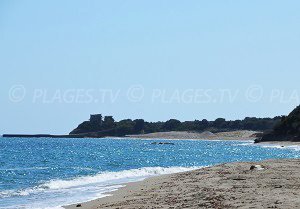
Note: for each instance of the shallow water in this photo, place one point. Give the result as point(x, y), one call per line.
point(47, 172)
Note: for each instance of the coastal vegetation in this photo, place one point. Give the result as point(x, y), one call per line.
point(99, 126)
point(288, 129)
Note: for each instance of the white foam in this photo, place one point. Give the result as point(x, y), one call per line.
point(293, 147)
point(21, 192)
point(275, 146)
point(64, 192)
point(103, 177)
point(113, 176)
point(245, 143)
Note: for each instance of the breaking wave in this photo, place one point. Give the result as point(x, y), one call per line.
point(103, 178)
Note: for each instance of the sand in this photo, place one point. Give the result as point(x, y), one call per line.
point(231, 135)
point(231, 185)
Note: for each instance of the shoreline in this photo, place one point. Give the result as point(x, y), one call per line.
point(280, 143)
point(229, 185)
point(206, 135)
point(132, 187)
point(174, 135)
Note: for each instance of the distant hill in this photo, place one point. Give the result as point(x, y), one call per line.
point(288, 129)
point(99, 126)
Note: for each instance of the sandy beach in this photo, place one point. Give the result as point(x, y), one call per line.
point(230, 135)
point(272, 184)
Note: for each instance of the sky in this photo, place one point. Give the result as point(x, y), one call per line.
point(61, 61)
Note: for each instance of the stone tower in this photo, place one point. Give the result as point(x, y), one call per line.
point(96, 119)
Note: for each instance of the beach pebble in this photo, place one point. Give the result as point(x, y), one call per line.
point(78, 205)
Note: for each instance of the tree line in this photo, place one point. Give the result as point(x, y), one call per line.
point(107, 126)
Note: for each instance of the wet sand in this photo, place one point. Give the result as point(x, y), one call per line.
point(231, 185)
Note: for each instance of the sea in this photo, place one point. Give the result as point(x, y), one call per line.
point(48, 173)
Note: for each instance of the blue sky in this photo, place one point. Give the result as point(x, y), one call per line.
point(53, 48)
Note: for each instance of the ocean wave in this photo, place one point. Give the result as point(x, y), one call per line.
point(246, 143)
point(112, 176)
point(293, 147)
point(103, 178)
point(274, 146)
point(83, 168)
point(21, 192)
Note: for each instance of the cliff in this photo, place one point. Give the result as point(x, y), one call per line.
point(288, 129)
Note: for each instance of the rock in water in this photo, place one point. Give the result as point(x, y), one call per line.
point(170, 143)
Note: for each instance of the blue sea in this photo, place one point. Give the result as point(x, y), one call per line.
point(46, 173)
